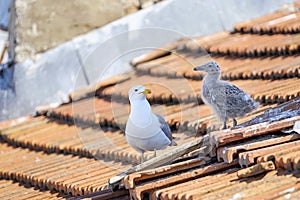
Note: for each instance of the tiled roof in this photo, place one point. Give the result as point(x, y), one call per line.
point(280, 22)
point(14, 190)
point(68, 174)
point(76, 148)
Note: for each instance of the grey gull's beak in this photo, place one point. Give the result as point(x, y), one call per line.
point(199, 68)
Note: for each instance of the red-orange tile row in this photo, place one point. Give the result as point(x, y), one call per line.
point(174, 66)
point(92, 111)
point(280, 22)
point(181, 90)
point(10, 189)
point(66, 173)
point(249, 45)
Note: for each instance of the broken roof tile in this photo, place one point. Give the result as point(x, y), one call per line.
point(130, 180)
point(285, 158)
point(274, 119)
point(254, 170)
point(249, 157)
point(227, 136)
point(227, 153)
point(179, 178)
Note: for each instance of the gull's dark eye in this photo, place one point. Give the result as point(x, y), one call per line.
point(136, 90)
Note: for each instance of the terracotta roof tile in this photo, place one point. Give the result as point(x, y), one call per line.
point(249, 157)
point(131, 179)
point(226, 185)
point(233, 68)
point(10, 189)
point(228, 136)
point(68, 174)
point(251, 45)
point(141, 187)
point(280, 22)
point(183, 190)
point(245, 189)
point(13, 122)
point(286, 158)
point(278, 118)
point(228, 152)
point(256, 169)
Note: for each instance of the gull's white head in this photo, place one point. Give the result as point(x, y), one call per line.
point(138, 92)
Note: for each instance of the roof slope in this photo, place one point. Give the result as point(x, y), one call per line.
point(76, 148)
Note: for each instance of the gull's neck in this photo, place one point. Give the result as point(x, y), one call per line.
point(140, 112)
point(212, 78)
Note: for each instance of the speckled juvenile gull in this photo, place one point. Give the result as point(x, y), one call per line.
point(226, 100)
point(145, 131)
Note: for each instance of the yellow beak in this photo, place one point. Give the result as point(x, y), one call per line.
point(146, 91)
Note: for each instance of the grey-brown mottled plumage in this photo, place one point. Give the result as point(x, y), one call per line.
point(226, 100)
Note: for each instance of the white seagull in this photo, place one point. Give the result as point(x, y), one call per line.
point(145, 131)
